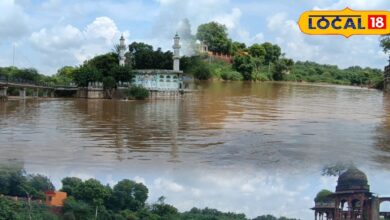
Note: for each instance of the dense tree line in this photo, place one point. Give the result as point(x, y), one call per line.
point(266, 62)
point(27, 75)
point(313, 72)
point(142, 56)
point(102, 68)
point(90, 199)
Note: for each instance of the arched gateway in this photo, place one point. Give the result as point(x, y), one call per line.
point(351, 201)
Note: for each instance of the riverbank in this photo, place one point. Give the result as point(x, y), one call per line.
point(305, 72)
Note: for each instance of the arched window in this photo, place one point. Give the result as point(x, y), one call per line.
point(356, 207)
point(344, 205)
point(168, 78)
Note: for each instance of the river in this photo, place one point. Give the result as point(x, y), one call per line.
point(261, 140)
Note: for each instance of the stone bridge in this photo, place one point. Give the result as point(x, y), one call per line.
point(22, 85)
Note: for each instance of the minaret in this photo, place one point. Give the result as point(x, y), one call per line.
point(176, 53)
point(122, 50)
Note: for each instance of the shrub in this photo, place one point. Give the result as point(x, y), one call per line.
point(260, 76)
point(202, 72)
point(231, 75)
point(138, 92)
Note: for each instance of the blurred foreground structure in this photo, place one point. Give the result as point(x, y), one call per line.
point(351, 201)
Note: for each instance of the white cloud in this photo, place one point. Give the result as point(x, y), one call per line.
point(162, 183)
point(13, 20)
point(360, 4)
point(72, 46)
point(102, 27)
point(81, 175)
point(139, 179)
point(58, 38)
point(230, 20)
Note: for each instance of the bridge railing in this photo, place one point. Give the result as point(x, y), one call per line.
point(13, 80)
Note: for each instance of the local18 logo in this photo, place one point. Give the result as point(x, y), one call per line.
point(346, 22)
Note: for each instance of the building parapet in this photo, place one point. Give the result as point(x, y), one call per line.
point(157, 71)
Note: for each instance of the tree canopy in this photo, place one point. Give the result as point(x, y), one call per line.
point(215, 36)
point(323, 196)
point(385, 43)
point(129, 195)
point(143, 56)
point(90, 198)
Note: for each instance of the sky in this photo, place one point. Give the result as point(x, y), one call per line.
point(50, 34)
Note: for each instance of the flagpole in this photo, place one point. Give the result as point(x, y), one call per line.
point(13, 56)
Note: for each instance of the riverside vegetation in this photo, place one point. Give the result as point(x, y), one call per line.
point(90, 199)
point(258, 62)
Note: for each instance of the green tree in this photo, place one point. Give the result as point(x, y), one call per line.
point(207, 213)
point(215, 36)
point(144, 57)
point(109, 85)
point(385, 43)
point(128, 194)
point(66, 71)
point(16, 183)
point(282, 67)
point(257, 50)
point(335, 169)
point(257, 53)
point(243, 64)
point(86, 74)
point(201, 72)
point(272, 52)
point(70, 185)
point(138, 92)
point(165, 211)
point(92, 192)
point(76, 210)
point(7, 209)
point(104, 63)
point(38, 185)
point(238, 47)
point(122, 74)
point(266, 217)
point(323, 196)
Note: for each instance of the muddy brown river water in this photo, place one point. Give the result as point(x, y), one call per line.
point(230, 129)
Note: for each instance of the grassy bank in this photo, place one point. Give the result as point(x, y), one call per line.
point(310, 72)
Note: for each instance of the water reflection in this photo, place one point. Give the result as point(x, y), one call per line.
point(263, 125)
point(242, 190)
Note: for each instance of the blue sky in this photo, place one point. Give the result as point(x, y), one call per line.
point(50, 34)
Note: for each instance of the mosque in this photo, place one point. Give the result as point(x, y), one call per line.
point(351, 201)
point(159, 80)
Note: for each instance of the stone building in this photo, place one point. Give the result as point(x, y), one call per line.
point(160, 80)
point(55, 198)
point(351, 201)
